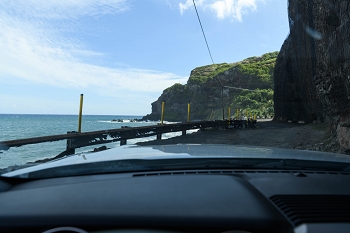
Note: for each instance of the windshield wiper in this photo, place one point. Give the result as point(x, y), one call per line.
point(132, 165)
point(136, 165)
point(297, 164)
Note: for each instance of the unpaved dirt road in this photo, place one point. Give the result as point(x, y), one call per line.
point(267, 133)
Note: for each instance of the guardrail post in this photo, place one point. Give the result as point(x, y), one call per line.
point(159, 136)
point(80, 112)
point(70, 148)
point(188, 112)
point(162, 116)
point(211, 114)
point(222, 102)
point(228, 117)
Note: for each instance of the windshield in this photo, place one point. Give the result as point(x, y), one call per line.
point(81, 77)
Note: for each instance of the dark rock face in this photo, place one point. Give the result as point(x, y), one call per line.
point(312, 72)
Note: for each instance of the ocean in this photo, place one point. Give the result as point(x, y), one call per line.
point(19, 126)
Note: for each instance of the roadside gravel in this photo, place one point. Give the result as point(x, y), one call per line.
point(267, 133)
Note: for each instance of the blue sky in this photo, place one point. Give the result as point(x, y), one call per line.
point(122, 54)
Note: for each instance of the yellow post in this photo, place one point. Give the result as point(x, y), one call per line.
point(162, 116)
point(188, 112)
point(80, 113)
point(255, 116)
point(246, 113)
point(211, 114)
point(229, 113)
point(237, 114)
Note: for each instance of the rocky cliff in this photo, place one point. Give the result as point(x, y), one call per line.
point(311, 76)
point(207, 97)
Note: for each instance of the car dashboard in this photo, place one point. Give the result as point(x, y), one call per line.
point(179, 200)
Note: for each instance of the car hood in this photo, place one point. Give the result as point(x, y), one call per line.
point(190, 151)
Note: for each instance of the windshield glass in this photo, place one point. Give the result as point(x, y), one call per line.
point(81, 77)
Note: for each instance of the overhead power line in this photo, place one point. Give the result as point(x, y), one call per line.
point(194, 4)
point(205, 38)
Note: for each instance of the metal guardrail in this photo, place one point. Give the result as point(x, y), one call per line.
point(77, 140)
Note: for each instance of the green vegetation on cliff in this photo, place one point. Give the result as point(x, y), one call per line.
point(261, 67)
point(202, 74)
point(259, 102)
point(207, 97)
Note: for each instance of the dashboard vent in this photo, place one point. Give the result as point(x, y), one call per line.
point(314, 208)
point(227, 172)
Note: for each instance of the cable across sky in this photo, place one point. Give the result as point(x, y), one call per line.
point(236, 88)
point(194, 4)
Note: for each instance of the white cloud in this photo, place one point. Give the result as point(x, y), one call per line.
point(185, 6)
point(168, 4)
point(233, 9)
point(23, 55)
point(35, 50)
point(63, 9)
point(189, 4)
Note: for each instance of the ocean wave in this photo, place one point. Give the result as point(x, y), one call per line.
point(122, 121)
